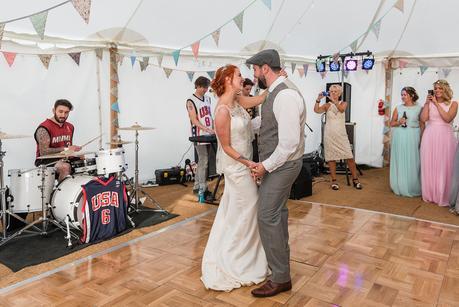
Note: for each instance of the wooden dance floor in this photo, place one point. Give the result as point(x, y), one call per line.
point(340, 257)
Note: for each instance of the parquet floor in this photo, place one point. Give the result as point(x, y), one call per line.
point(340, 257)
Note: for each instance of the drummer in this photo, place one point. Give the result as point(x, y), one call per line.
point(55, 135)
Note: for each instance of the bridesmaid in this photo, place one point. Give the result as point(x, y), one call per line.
point(438, 144)
point(405, 168)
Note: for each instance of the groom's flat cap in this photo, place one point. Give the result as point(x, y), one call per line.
point(269, 57)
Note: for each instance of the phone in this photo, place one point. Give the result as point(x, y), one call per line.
point(430, 92)
point(325, 93)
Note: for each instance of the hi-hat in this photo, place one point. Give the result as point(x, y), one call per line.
point(119, 143)
point(65, 154)
point(6, 136)
point(136, 127)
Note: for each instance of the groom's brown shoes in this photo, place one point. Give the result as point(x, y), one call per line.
point(271, 288)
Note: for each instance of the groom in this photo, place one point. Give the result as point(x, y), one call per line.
point(281, 148)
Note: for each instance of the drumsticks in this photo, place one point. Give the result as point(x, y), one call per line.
point(92, 140)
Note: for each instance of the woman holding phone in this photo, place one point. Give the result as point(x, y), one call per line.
point(438, 144)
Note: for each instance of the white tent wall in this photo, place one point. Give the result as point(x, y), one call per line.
point(28, 92)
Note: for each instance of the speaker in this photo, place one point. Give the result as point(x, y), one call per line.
point(302, 186)
point(347, 97)
point(350, 130)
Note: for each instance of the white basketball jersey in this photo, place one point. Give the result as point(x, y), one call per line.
point(203, 113)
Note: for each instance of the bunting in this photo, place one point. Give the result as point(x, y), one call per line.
point(402, 64)
point(115, 78)
point(423, 69)
point(45, 59)
point(216, 36)
point(115, 107)
point(76, 57)
point(160, 59)
point(385, 129)
point(2, 29)
point(399, 5)
point(115, 122)
point(301, 72)
point(114, 91)
point(83, 7)
point(190, 75)
point(9, 57)
point(211, 74)
point(293, 67)
point(144, 63)
point(376, 28)
point(100, 53)
point(195, 49)
point(176, 55)
point(267, 3)
point(119, 59)
point(305, 68)
point(239, 21)
point(168, 72)
point(39, 23)
point(446, 72)
point(133, 58)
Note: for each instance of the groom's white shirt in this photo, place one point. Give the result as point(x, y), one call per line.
point(287, 107)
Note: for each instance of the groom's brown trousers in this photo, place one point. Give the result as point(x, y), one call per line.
point(273, 217)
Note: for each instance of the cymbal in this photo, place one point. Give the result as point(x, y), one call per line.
point(119, 142)
point(136, 127)
point(65, 154)
point(6, 136)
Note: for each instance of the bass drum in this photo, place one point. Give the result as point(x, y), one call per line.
point(67, 199)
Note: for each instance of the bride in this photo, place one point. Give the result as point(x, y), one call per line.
point(234, 256)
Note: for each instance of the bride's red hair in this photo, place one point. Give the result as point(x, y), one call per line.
point(218, 83)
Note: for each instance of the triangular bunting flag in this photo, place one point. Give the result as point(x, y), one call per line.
point(9, 57)
point(115, 107)
point(75, 56)
point(83, 8)
point(423, 69)
point(133, 58)
point(115, 122)
point(160, 59)
point(115, 78)
point(2, 28)
point(385, 130)
point(267, 3)
point(353, 45)
point(293, 67)
point(45, 59)
point(99, 53)
point(119, 59)
point(239, 20)
point(176, 55)
point(399, 5)
point(216, 36)
point(300, 71)
point(190, 75)
point(144, 63)
point(323, 74)
point(386, 139)
point(195, 49)
point(376, 28)
point(168, 72)
point(305, 68)
point(446, 72)
point(39, 23)
point(402, 64)
point(211, 74)
point(114, 91)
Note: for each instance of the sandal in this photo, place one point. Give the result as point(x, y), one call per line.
point(357, 183)
point(334, 185)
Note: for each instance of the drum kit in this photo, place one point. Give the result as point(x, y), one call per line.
point(34, 190)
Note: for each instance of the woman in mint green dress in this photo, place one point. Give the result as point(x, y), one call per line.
point(405, 174)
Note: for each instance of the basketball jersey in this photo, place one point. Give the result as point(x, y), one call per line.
point(104, 209)
point(60, 136)
point(203, 112)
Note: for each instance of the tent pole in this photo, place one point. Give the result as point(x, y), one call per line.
point(113, 93)
point(387, 112)
point(99, 100)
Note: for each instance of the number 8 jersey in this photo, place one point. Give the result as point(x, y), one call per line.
point(203, 112)
point(104, 209)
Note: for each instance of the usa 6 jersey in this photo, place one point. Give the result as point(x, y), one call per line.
point(104, 210)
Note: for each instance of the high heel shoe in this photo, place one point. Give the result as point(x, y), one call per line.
point(334, 185)
point(356, 183)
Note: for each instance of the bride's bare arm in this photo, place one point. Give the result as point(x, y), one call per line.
point(250, 102)
point(223, 131)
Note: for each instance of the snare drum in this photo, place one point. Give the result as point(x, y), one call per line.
point(25, 189)
point(110, 161)
point(67, 199)
point(86, 166)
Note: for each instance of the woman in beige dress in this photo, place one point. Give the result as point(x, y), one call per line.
point(336, 142)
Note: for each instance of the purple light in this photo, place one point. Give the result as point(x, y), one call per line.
point(350, 65)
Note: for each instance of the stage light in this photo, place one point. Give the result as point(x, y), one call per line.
point(368, 63)
point(350, 65)
point(334, 66)
point(320, 65)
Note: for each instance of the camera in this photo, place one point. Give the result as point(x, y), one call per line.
point(430, 92)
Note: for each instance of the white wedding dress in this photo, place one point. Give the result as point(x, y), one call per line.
point(234, 256)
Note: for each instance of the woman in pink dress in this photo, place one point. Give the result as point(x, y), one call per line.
point(438, 144)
